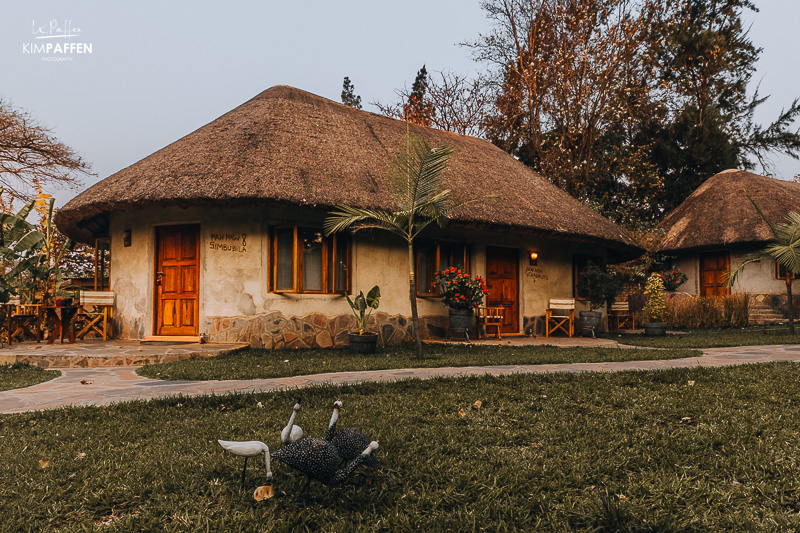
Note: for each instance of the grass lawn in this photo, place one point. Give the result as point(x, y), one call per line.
point(685, 449)
point(21, 375)
point(260, 364)
point(713, 338)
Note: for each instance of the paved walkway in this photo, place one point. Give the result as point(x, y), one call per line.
point(101, 386)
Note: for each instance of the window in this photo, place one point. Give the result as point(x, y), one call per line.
point(780, 272)
point(433, 257)
point(304, 260)
point(579, 264)
point(102, 265)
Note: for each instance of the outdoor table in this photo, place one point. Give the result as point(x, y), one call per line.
point(61, 317)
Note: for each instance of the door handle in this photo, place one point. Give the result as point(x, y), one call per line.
point(159, 275)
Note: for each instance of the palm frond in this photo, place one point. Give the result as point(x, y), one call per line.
point(357, 219)
point(730, 278)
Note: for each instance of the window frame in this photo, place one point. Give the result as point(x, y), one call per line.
point(778, 276)
point(438, 261)
point(329, 253)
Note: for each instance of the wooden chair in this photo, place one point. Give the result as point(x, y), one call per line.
point(23, 320)
point(491, 317)
point(621, 316)
point(562, 319)
point(95, 314)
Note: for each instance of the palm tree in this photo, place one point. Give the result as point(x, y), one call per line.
point(420, 199)
point(784, 248)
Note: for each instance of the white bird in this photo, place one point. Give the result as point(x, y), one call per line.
point(292, 433)
point(249, 448)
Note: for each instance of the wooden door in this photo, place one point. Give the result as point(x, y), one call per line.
point(713, 270)
point(502, 280)
point(177, 278)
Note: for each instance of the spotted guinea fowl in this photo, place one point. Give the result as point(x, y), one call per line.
point(318, 459)
point(348, 442)
point(247, 449)
point(292, 433)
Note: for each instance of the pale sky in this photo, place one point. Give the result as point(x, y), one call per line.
point(159, 70)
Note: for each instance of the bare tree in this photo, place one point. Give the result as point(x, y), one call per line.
point(566, 70)
point(30, 155)
point(454, 102)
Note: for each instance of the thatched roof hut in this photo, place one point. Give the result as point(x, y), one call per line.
point(719, 214)
point(290, 147)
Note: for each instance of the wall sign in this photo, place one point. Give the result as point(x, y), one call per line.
point(229, 242)
point(535, 273)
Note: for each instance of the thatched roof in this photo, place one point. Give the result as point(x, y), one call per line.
point(290, 147)
point(718, 214)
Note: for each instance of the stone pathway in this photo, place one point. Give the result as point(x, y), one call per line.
point(99, 353)
point(102, 386)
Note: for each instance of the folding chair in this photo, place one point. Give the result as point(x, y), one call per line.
point(95, 314)
point(23, 321)
point(621, 316)
point(560, 316)
point(491, 317)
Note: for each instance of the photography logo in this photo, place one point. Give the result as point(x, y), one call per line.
point(56, 40)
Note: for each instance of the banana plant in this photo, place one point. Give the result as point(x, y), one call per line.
point(20, 242)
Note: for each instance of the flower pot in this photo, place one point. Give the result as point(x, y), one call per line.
point(655, 329)
point(365, 343)
point(589, 322)
point(461, 319)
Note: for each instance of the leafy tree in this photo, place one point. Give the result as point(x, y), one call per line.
point(628, 104)
point(349, 96)
point(417, 187)
point(784, 249)
point(30, 155)
point(705, 60)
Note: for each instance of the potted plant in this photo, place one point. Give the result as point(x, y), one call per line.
point(599, 287)
point(364, 342)
point(673, 279)
point(461, 294)
point(655, 308)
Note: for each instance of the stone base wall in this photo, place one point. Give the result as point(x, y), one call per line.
point(274, 330)
point(775, 303)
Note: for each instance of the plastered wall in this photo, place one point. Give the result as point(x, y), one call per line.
point(234, 264)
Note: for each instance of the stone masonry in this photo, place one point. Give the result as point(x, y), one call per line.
point(274, 330)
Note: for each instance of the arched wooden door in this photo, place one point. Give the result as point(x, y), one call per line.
point(502, 280)
point(177, 278)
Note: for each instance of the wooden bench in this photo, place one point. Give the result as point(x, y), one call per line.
point(621, 316)
point(491, 317)
point(96, 314)
point(560, 315)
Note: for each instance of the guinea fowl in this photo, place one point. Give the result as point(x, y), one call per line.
point(348, 442)
point(318, 459)
point(292, 433)
point(247, 449)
